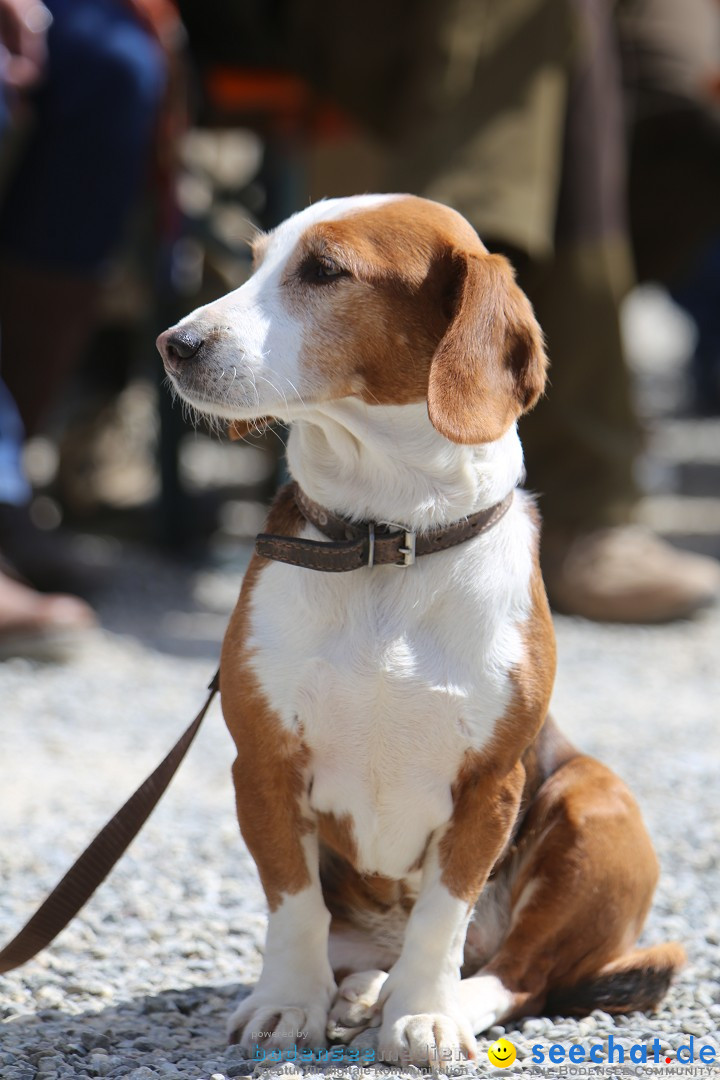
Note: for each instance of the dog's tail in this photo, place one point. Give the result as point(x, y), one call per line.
point(636, 981)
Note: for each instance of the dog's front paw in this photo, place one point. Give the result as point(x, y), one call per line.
point(426, 1039)
point(356, 1005)
point(260, 1023)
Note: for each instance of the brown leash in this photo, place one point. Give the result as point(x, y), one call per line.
point(98, 859)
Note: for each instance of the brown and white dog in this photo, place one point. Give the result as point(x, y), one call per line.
point(424, 833)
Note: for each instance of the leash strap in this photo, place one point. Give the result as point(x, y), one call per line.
point(98, 859)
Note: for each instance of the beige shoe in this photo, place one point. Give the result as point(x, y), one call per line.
point(40, 627)
point(626, 574)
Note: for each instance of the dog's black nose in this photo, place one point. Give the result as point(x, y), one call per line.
point(177, 346)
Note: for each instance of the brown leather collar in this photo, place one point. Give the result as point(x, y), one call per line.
point(366, 543)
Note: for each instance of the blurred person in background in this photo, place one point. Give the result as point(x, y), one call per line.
point(671, 62)
point(29, 621)
point(512, 113)
point(89, 76)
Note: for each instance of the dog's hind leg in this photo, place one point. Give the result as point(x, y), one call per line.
point(581, 880)
point(356, 1006)
point(361, 959)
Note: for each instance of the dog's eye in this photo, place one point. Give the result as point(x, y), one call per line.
point(318, 269)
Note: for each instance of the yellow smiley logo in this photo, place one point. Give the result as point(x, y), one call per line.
point(501, 1053)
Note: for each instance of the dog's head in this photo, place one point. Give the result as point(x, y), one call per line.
point(390, 299)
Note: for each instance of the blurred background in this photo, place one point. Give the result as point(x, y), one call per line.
point(143, 142)
point(141, 145)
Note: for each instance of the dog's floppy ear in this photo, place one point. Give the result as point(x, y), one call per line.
point(490, 365)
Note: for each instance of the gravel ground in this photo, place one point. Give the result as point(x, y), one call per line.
point(140, 984)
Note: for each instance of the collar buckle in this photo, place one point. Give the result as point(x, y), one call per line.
point(408, 552)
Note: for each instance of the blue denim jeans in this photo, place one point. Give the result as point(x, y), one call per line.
point(69, 200)
point(14, 488)
point(94, 117)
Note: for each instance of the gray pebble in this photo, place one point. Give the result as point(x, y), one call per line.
point(535, 1026)
point(692, 1028)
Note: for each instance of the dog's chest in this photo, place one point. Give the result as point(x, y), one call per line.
point(390, 676)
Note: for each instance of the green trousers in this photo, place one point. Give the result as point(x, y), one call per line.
point(521, 130)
